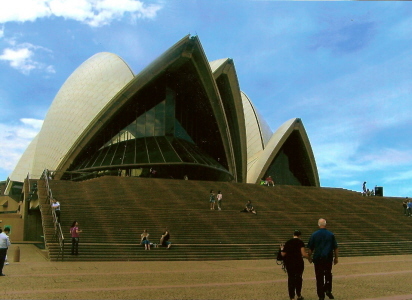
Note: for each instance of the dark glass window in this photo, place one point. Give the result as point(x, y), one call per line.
point(180, 132)
point(109, 156)
point(130, 152)
point(89, 161)
point(150, 121)
point(140, 126)
point(119, 154)
point(141, 151)
point(159, 121)
point(184, 155)
point(99, 160)
point(94, 158)
point(168, 152)
point(155, 156)
point(193, 150)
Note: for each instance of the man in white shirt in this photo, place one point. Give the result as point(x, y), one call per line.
point(4, 245)
point(56, 206)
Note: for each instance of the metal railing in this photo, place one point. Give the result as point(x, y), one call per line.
point(58, 233)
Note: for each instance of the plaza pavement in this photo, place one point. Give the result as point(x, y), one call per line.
point(34, 277)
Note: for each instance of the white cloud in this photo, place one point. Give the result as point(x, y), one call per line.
point(92, 12)
point(21, 58)
point(14, 141)
point(50, 69)
point(388, 157)
point(401, 176)
point(23, 10)
point(34, 123)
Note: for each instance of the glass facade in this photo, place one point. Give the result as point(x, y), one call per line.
point(150, 152)
point(291, 165)
point(168, 126)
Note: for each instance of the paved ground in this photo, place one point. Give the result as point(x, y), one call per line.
point(380, 277)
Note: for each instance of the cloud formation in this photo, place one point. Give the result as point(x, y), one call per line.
point(14, 140)
point(95, 13)
point(21, 58)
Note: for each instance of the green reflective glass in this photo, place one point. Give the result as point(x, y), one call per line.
point(182, 152)
point(141, 152)
point(168, 152)
point(119, 154)
point(130, 152)
point(109, 156)
point(159, 121)
point(155, 156)
point(100, 158)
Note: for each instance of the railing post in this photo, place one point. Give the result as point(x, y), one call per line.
point(58, 233)
point(63, 249)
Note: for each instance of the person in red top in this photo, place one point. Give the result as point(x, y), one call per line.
point(74, 231)
point(269, 181)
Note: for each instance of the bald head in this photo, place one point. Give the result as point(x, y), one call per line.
point(322, 223)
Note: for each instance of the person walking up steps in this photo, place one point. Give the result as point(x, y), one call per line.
point(322, 244)
point(292, 252)
point(75, 234)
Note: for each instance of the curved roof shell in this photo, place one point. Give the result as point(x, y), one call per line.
point(82, 97)
point(185, 59)
point(258, 131)
point(224, 73)
point(265, 158)
point(104, 87)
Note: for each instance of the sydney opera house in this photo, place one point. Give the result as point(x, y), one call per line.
point(183, 116)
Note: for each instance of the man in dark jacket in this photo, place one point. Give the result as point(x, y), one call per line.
point(322, 244)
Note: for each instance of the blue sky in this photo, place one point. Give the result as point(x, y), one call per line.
point(344, 68)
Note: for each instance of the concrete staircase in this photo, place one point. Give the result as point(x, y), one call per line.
point(113, 211)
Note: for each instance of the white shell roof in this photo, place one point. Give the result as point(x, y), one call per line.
point(214, 65)
point(258, 132)
point(262, 161)
point(84, 94)
point(92, 87)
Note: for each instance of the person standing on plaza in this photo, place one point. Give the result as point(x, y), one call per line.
point(7, 232)
point(322, 244)
point(409, 208)
point(219, 197)
point(4, 245)
point(212, 199)
point(75, 234)
point(293, 252)
point(405, 206)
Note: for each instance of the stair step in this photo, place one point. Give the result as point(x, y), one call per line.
point(115, 210)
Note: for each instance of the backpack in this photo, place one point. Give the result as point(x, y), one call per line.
point(279, 259)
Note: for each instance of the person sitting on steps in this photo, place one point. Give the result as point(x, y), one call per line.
point(164, 240)
point(249, 208)
point(269, 181)
point(144, 240)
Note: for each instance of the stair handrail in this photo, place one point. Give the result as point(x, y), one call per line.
point(46, 176)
